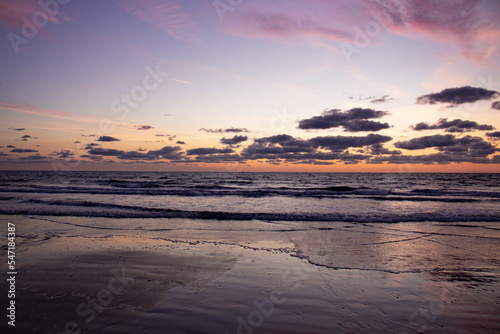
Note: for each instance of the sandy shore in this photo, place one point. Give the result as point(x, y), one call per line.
point(177, 276)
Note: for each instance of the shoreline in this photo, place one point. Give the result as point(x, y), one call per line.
point(259, 279)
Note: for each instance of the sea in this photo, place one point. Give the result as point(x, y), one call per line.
point(325, 197)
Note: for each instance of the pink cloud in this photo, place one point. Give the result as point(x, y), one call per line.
point(167, 15)
point(294, 22)
point(459, 22)
point(463, 23)
point(12, 12)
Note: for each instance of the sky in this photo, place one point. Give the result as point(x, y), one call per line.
point(240, 85)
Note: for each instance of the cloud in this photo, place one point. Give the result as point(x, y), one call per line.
point(73, 117)
point(381, 99)
point(107, 139)
point(287, 149)
point(91, 146)
point(107, 152)
point(457, 96)
point(353, 120)
point(278, 144)
point(26, 137)
point(63, 154)
point(144, 127)
point(167, 15)
point(12, 13)
point(22, 150)
point(234, 130)
point(427, 141)
point(208, 150)
point(451, 145)
point(379, 149)
point(495, 134)
point(336, 143)
point(234, 141)
point(217, 158)
point(37, 158)
point(180, 142)
point(91, 157)
point(496, 105)
point(170, 137)
point(458, 22)
point(167, 152)
point(17, 129)
point(456, 125)
point(296, 21)
point(11, 146)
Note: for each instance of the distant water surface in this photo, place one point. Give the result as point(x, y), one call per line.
point(347, 197)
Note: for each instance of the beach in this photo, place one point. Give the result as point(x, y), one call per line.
point(184, 276)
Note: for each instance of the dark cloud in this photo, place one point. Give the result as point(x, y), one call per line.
point(91, 146)
point(167, 152)
point(336, 143)
point(144, 127)
point(11, 146)
point(217, 158)
point(287, 149)
point(26, 136)
point(107, 139)
point(496, 105)
point(459, 95)
point(381, 99)
point(92, 157)
point(470, 146)
point(495, 134)
point(134, 155)
point(4, 154)
point(22, 150)
point(456, 125)
point(18, 129)
point(287, 144)
point(427, 141)
point(233, 130)
point(63, 154)
point(180, 142)
point(77, 142)
point(353, 120)
point(208, 150)
point(107, 152)
point(379, 149)
point(38, 158)
point(169, 137)
point(234, 141)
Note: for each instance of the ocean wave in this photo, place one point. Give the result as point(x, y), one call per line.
point(118, 187)
point(88, 209)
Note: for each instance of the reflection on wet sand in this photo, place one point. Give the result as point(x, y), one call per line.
point(262, 278)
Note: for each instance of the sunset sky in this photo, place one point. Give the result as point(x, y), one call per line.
point(240, 85)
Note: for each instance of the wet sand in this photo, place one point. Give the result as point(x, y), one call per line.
point(179, 276)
